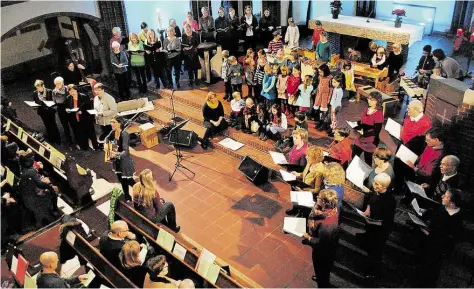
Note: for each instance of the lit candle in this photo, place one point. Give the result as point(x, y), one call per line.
point(158, 16)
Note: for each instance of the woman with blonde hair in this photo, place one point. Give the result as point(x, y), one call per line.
point(172, 45)
point(395, 61)
point(311, 177)
point(147, 201)
point(137, 61)
point(213, 114)
point(334, 178)
point(132, 264)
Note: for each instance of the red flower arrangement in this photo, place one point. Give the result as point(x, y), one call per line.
point(399, 12)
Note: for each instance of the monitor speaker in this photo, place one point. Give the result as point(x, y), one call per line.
point(254, 171)
point(182, 137)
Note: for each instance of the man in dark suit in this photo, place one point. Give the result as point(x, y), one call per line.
point(112, 242)
point(49, 278)
point(444, 178)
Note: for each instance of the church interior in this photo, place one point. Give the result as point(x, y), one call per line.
point(237, 144)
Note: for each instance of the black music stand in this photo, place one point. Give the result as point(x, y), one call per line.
point(174, 131)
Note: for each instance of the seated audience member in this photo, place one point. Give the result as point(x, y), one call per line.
point(237, 104)
point(334, 177)
point(157, 271)
point(285, 145)
point(250, 115)
point(340, 149)
point(275, 44)
point(112, 242)
point(297, 155)
point(132, 264)
point(429, 159)
point(9, 154)
point(278, 123)
point(450, 68)
point(415, 126)
point(448, 178)
point(381, 207)
point(147, 201)
point(213, 114)
point(11, 216)
point(354, 55)
point(323, 236)
point(261, 121)
point(444, 226)
point(311, 176)
point(49, 278)
point(106, 108)
point(37, 193)
point(382, 164)
point(66, 252)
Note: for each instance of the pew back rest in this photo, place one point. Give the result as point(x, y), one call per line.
point(101, 265)
point(151, 230)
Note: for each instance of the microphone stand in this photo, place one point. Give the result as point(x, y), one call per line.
point(177, 147)
point(371, 12)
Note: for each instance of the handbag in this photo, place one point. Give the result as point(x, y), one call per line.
point(254, 126)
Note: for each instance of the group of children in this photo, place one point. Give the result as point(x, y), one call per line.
point(277, 91)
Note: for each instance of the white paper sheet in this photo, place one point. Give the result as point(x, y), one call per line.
point(205, 260)
point(14, 265)
point(287, 177)
point(49, 103)
point(416, 220)
point(302, 198)
point(24, 137)
point(213, 273)
point(41, 150)
point(104, 207)
point(146, 126)
point(179, 251)
point(416, 189)
point(65, 208)
point(231, 144)
point(278, 158)
point(405, 154)
point(294, 226)
point(358, 171)
point(393, 128)
point(165, 239)
point(32, 103)
point(70, 267)
point(143, 253)
point(325, 153)
point(416, 207)
point(70, 110)
point(103, 287)
point(30, 282)
point(90, 277)
point(92, 111)
point(71, 238)
point(352, 124)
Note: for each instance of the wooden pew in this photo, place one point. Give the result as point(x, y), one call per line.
point(149, 230)
point(102, 266)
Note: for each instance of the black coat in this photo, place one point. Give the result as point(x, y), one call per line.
point(191, 59)
point(44, 109)
point(245, 25)
point(84, 103)
point(223, 28)
point(235, 26)
point(427, 64)
point(212, 114)
point(156, 59)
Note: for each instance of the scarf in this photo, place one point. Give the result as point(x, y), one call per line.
point(61, 90)
point(212, 105)
point(318, 218)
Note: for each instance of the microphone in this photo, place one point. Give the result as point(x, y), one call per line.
point(368, 21)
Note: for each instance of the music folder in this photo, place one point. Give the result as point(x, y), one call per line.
point(358, 171)
point(294, 226)
point(405, 154)
point(393, 128)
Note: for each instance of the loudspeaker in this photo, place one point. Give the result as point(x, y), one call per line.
point(187, 138)
point(254, 171)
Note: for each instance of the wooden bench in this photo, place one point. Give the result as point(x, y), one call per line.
point(102, 266)
point(140, 224)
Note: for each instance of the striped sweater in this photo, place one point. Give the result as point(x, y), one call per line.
point(274, 46)
point(258, 75)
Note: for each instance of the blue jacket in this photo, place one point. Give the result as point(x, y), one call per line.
point(269, 86)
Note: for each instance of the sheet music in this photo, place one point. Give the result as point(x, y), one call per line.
point(393, 128)
point(213, 273)
point(14, 265)
point(72, 109)
point(30, 282)
point(287, 177)
point(10, 177)
point(146, 126)
point(231, 144)
point(358, 171)
point(405, 154)
point(205, 260)
point(294, 226)
point(165, 239)
point(302, 198)
point(416, 220)
point(32, 103)
point(104, 207)
point(90, 277)
point(49, 103)
point(352, 124)
point(93, 111)
point(278, 158)
point(416, 189)
point(179, 251)
point(143, 253)
point(416, 207)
